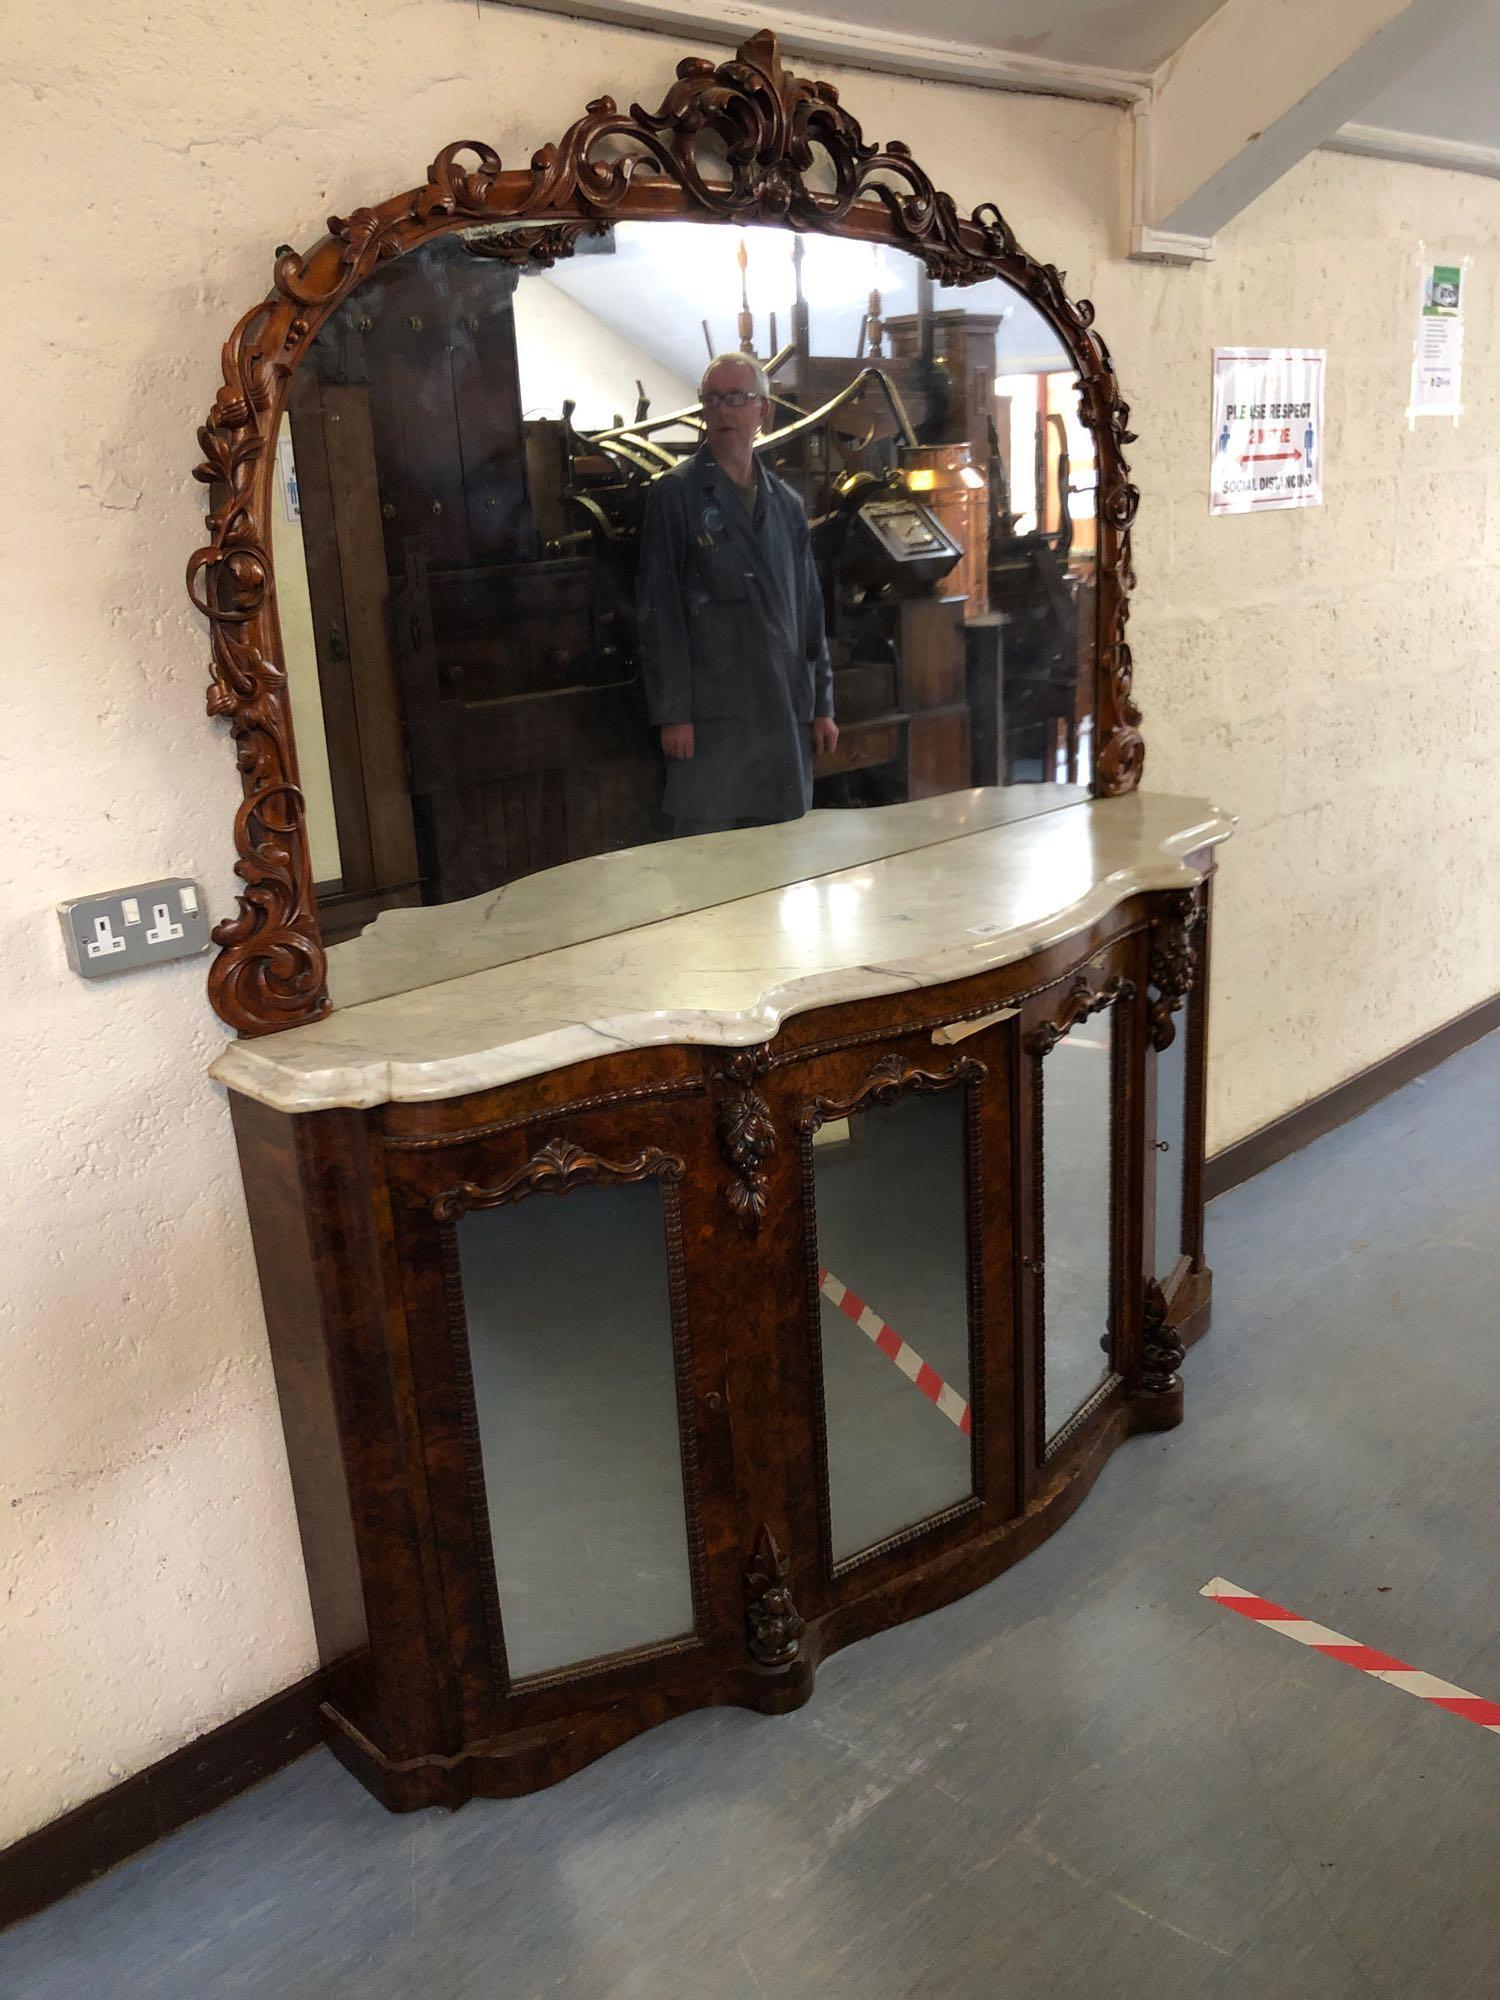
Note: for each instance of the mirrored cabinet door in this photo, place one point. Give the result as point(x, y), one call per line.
point(891, 1196)
point(1077, 1090)
point(575, 1385)
point(1171, 1146)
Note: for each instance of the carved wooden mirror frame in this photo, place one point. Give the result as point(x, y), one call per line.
point(609, 166)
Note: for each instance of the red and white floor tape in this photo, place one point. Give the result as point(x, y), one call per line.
point(890, 1343)
point(1379, 1666)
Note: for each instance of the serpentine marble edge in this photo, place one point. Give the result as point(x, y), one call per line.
point(729, 972)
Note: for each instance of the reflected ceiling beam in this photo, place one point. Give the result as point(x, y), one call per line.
point(1260, 85)
point(856, 45)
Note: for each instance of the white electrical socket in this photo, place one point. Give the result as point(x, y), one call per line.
point(162, 929)
point(104, 943)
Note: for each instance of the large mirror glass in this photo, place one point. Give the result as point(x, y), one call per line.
point(576, 1410)
point(1076, 1170)
point(893, 1272)
point(543, 599)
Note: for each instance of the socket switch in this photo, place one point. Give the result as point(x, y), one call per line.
point(145, 925)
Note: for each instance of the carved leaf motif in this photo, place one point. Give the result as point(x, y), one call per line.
point(775, 1623)
point(891, 1078)
point(1083, 999)
point(1174, 964)
point(559, 1165)
point(747, 1139)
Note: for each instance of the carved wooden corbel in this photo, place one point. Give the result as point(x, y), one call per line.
point(1174, 963)
point(747, 1138)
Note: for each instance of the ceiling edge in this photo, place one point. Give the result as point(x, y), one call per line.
point(1416, 149)
point(852, 46)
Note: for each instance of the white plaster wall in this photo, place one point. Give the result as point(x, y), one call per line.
point(1332, 676)
point(564, 350)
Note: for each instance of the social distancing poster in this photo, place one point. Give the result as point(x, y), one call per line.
point(1268, 429)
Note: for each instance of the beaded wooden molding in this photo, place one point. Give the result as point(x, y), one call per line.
point(778, 138)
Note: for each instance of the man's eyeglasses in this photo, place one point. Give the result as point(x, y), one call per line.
point(729, 399)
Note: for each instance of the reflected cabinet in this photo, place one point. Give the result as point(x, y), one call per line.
point(642, 1385)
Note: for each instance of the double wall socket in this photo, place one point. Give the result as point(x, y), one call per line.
point(129, 927)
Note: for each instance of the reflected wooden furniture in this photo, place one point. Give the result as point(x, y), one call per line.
point(525, 724)
point(359, 1219)
point(903, 706)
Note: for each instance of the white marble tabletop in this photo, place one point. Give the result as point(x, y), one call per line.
point(730, 972)
point(623, 889)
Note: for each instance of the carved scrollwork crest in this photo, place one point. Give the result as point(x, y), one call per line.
point(891, 1078)
point(1174, 963)
point(1083, 998)
point(740, 140)
point(539, 248)
point(776, 1627)
point(559, 1166)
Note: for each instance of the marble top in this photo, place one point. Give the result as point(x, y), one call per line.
point(730, 972)
point(621, 890)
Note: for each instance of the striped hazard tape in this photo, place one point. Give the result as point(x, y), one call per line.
point(890, 1343)
point(1379, 1666)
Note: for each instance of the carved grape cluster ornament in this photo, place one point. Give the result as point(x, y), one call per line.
point(738, 141)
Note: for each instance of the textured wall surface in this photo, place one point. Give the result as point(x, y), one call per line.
point(1331, 676)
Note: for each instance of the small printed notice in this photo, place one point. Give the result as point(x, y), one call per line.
point(1268, 429)
point(1437, 358)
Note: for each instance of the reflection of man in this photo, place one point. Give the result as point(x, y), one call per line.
point(733, 649)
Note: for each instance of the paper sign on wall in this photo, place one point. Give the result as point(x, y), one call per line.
point(1268, 429)
point(1437, 355)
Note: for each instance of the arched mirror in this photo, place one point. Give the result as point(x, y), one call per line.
point(510, 480)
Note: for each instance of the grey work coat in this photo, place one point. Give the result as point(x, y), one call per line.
point(730, 616)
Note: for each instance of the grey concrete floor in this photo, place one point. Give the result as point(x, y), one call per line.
point(1084, 1781)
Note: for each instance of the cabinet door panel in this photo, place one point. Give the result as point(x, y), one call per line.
point(576, 1417)
point(571, 1409)
point(894, 1295)
point(1078, 1087)
point(904, 1171)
